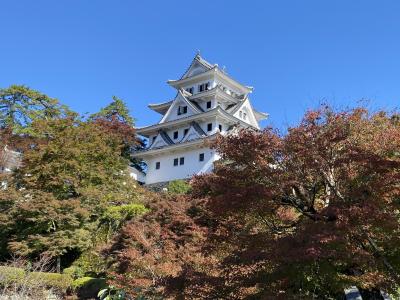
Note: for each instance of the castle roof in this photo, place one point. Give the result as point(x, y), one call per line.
point(199, 68)
point(218, 111)
point(198, 60)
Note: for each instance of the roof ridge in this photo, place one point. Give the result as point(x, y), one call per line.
point(200, 60)
point(197, 127)
point(188, 101)
point(165, 137)
point(197, 105)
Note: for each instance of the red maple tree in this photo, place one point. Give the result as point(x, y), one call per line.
point(300, 215)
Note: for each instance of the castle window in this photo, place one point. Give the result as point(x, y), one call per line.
point(201, 157)
point(185, 131)
point(154, 138)
point(209, 126)
point(190, 90)
point(208, 104)
point(175, 135)
point(240, 114)
point(204, 87)
point(175, 161)
point(220, 127)
point(182, 110)
point(182, 161)
point(158, 165)
point(244, 116)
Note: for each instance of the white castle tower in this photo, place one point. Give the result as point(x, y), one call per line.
point(208, 102)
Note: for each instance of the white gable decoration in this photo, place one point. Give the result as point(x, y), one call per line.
point(159, 142)
point(197, 66)
point(194, 133)
point(180, 100)
point(245, 112)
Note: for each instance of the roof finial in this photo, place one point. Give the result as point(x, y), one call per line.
point(198, 52)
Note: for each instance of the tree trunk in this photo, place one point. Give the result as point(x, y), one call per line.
point(59, 264)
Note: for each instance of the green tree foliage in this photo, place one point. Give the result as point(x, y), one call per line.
point(115, 216)
point(118, 110)
point(176, 187)
point(72, 158)
point(70, 176)
point(116, 118)
point(42, 224)
point(20, 106)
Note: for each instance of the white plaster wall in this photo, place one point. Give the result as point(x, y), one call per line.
point(180, 130)
point(191, 167)
point(250, 118)
point(196, 85)
point(173, 113)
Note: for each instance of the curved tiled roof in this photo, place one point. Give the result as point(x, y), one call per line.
point(166, 138)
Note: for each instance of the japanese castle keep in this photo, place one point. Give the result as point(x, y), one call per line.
point(208, 102)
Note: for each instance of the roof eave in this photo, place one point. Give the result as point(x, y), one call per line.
point(215, 91)
point(146, 131)
point(142, 130)
point(197, 142)
point(180, 82)
point(260, 115)
point(237, 84)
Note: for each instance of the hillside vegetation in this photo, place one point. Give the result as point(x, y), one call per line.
point(300, 215)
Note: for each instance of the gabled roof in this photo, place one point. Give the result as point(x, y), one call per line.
point(197, 105)
point(233, 108)
point(161, 140)
point(163, 107)
point(181, 97)
point(197, 61)
point(195, 132)
point(251, 114)
point(166, 138)
point(199, 130)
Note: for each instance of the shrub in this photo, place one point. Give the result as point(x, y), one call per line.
point(10, 275)
point(57, 281)
point(91, 264)
point(74, 271)
point(88, 287)
point(178, 187)
point(115, 216)
point(22, 279)
point(123, 212)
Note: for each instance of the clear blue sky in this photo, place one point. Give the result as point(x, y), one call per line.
point(295, 53)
